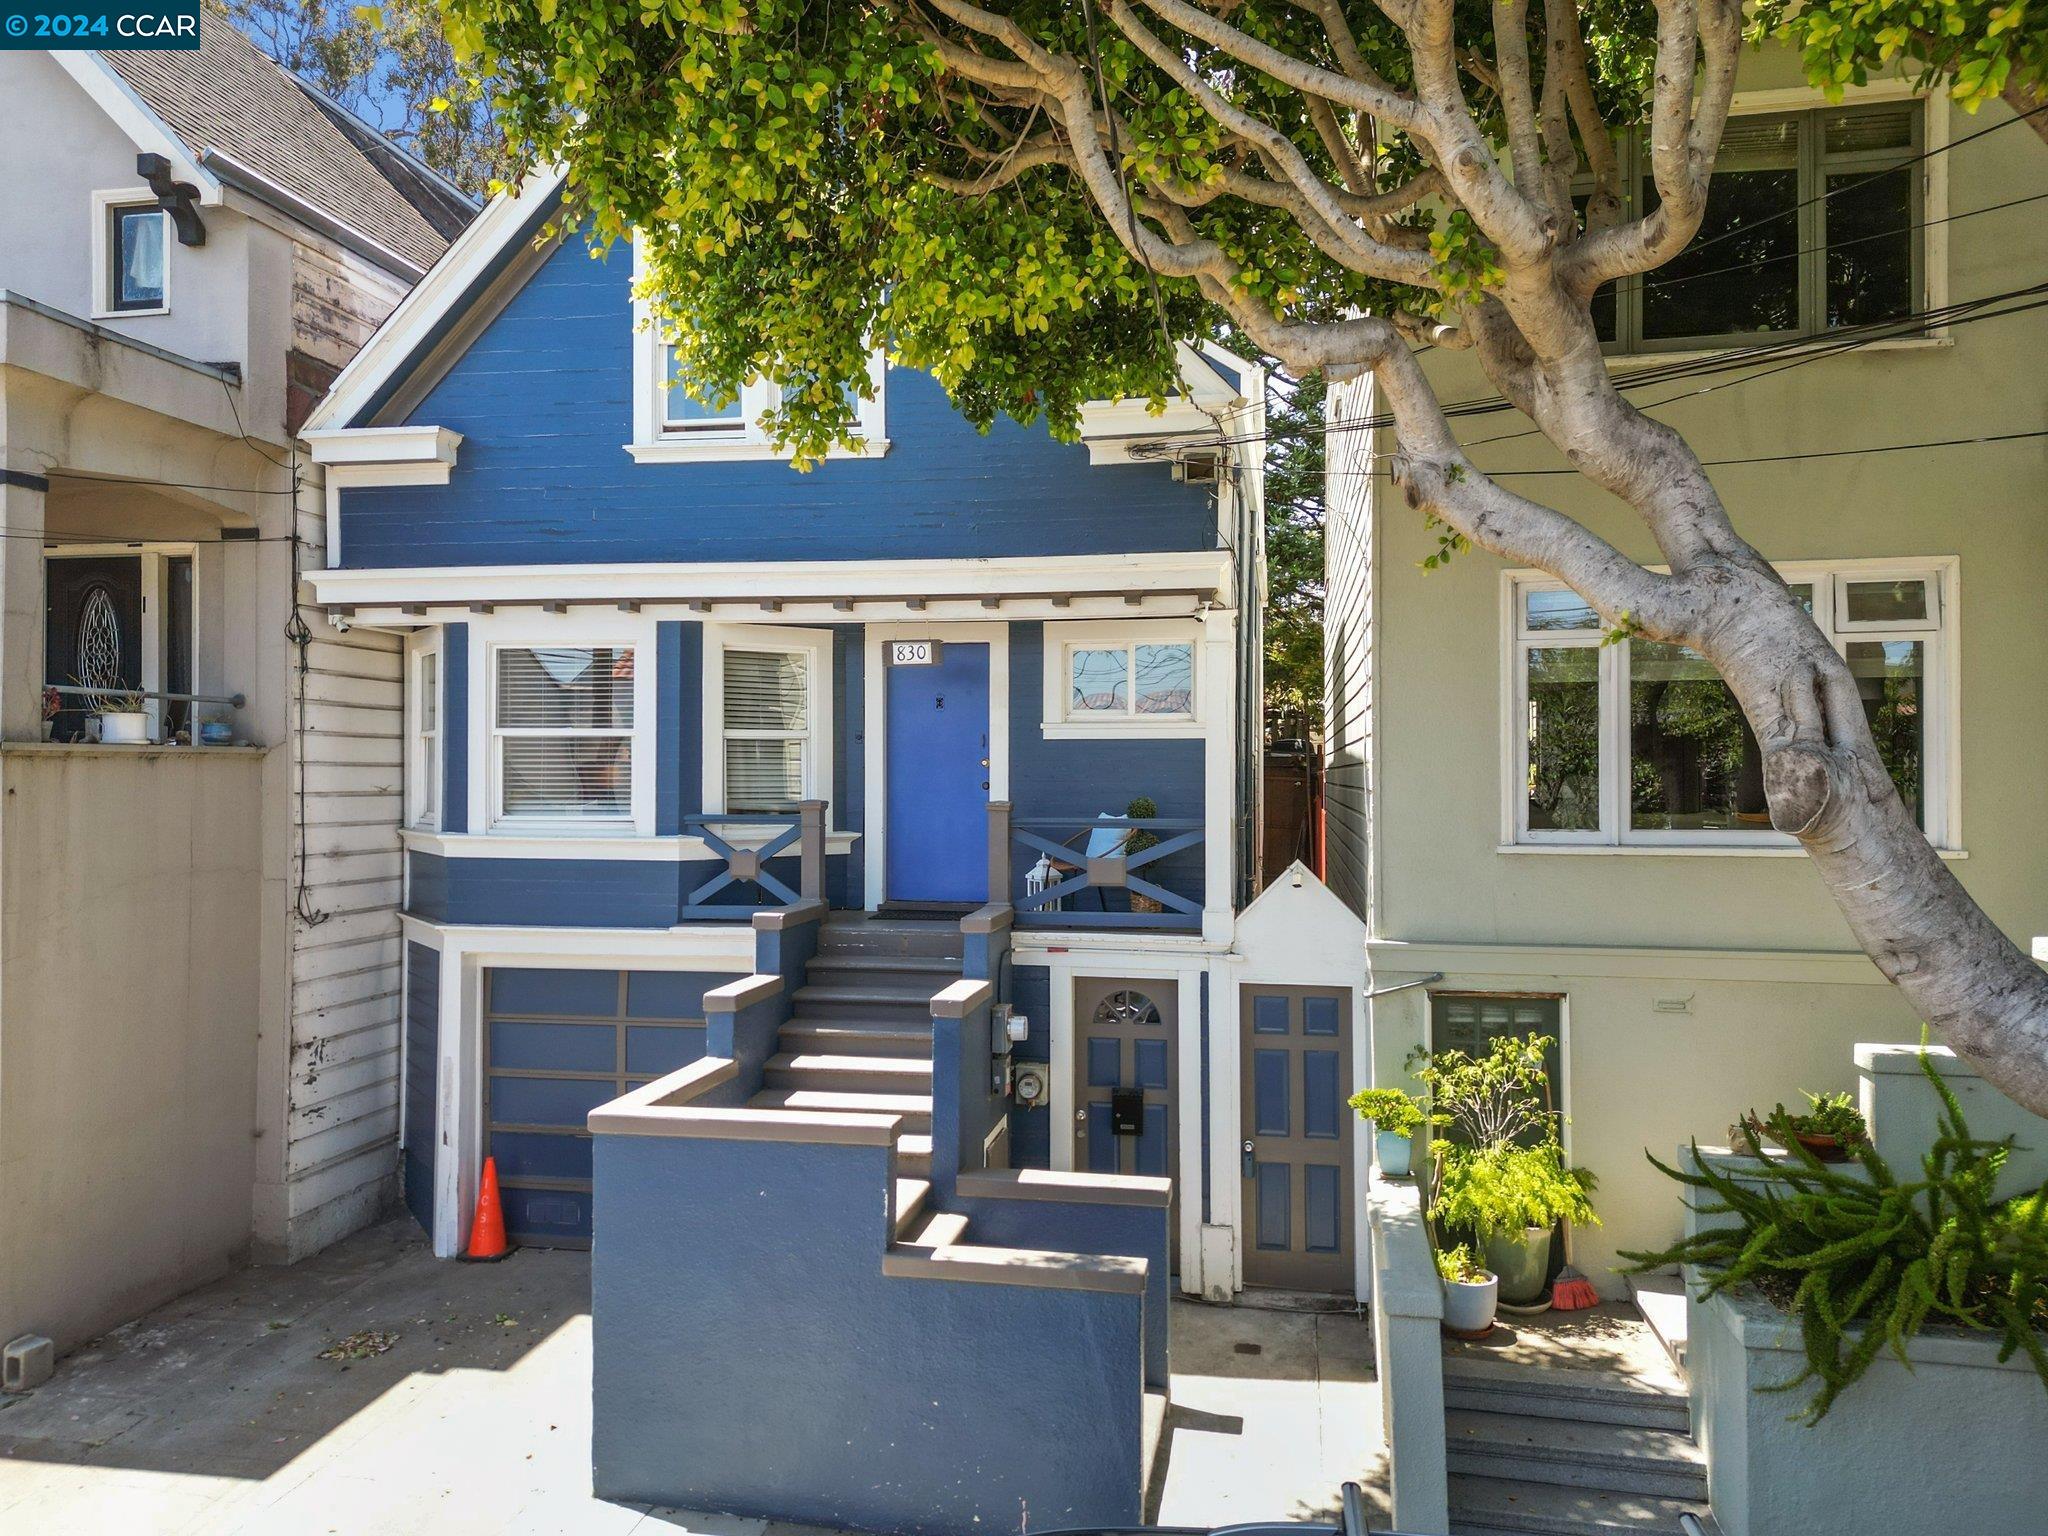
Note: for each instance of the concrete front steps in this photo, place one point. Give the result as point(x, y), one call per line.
point(859, 1039)
point(1542, 1451)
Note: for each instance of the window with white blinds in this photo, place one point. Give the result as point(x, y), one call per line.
point(767, 727)
point(562, 728)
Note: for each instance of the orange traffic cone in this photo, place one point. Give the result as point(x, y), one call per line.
point(487, 1233)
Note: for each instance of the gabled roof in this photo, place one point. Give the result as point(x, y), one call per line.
point(246, 121)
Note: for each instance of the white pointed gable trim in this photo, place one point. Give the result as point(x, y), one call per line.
point(1298, 932)
point(420, 313)
point(132, 115)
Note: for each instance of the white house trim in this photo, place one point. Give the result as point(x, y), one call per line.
point(466, 953)
point(875, 726)
point(1193, 576)
point(383, 445)
point(115, 97)
point(666, 848)
point(420, 312)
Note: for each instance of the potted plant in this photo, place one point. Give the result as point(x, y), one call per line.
point(123, 717)
point(1136, 841)
point(1395, 1117)
point(53, 704)
point(1503, 1179)
point(1471, 1293)
point(1832, 1128)
point(1509, 1197)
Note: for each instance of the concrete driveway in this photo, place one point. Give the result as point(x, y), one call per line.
point(375, 1392)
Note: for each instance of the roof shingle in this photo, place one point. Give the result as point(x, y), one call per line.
point(231, 98)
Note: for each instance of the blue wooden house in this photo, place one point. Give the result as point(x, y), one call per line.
point(720, 780)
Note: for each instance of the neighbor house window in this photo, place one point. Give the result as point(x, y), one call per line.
point(1812, 223)
point(1116, 677)
point(424, 787)
point(562, 734)
point(767, 729)
point(1641, 742)
point(134, 257)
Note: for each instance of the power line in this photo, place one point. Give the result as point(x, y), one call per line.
point(1766, 458)
point(172, 485)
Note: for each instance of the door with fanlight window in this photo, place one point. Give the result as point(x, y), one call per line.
point(1126, 1067)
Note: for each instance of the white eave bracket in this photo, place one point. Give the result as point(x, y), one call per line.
point(358, 456)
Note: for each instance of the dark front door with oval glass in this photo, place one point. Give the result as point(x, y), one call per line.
point(1124, 1078)
point(92, 631)
point(1296, 1153)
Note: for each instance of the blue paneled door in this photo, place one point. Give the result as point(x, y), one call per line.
point(1298, 1205)
point(558, 1043)
point(1125, 1040)
point(938, 777)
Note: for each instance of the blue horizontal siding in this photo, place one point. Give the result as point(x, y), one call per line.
point(583, 893)
point(1095, 775)
point(543, 399)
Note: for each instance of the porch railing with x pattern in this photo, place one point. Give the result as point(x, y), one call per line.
point(746, 861)
point(1070, 856)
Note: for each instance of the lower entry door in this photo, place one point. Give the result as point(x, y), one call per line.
point(1297, 1138)
point(1127, 1043)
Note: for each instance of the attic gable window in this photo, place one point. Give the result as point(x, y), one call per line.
point(673, 425)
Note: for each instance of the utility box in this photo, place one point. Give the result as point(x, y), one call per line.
point(27, 1363)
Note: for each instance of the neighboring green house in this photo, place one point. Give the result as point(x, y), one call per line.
point(1574, 834)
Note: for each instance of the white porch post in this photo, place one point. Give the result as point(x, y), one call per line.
point(1219, 768)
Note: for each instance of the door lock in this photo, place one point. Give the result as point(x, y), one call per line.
point(1250, 1162)
point(1080, 1117)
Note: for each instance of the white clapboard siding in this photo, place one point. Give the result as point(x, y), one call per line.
point(342, 1114)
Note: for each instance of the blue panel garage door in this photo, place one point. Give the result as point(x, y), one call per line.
point(558, 1043)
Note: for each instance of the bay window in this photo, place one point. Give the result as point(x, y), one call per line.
point(1641, 742)
point(423, 707)
point(561, 727)
point(767, 717)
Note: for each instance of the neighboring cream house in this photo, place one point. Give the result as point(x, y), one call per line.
point(198, 983)
point(1573, 834)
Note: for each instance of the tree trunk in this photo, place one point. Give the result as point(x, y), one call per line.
point(1828, 786)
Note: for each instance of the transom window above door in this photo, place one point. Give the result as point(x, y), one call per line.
point(1813, 222)
point(1641, 743)
point(1134, 678)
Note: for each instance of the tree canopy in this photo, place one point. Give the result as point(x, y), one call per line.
point(1031, 200)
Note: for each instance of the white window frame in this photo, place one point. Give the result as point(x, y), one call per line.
point(563, 630)
point(815, 647)
point(103, 202)
point(424, 754)
point(1059, 723)
point(655, 442)
point(1941, 757)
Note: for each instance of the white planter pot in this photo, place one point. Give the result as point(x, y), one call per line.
point(124, 726)
point(1469, 1305)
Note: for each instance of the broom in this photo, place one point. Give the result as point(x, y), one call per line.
point(1571, 1291)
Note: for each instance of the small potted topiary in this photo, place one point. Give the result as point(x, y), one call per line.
point(1395, 1117)
point(1471, 1293)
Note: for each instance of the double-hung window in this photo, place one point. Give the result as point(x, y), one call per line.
point(423, 778)
point(1813, 222)
point(767, 728)
point(1642, 743)
point(562, 736)
point(1120, 678)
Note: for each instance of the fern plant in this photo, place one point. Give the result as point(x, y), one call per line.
point(1507, 1188)
point(1866, 1262)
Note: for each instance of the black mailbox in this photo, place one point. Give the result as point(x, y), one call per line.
point(1127, 1111)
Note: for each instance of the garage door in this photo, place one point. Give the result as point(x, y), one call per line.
point(557, 1044)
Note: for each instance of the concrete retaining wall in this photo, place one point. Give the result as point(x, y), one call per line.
point(1408, 1355)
